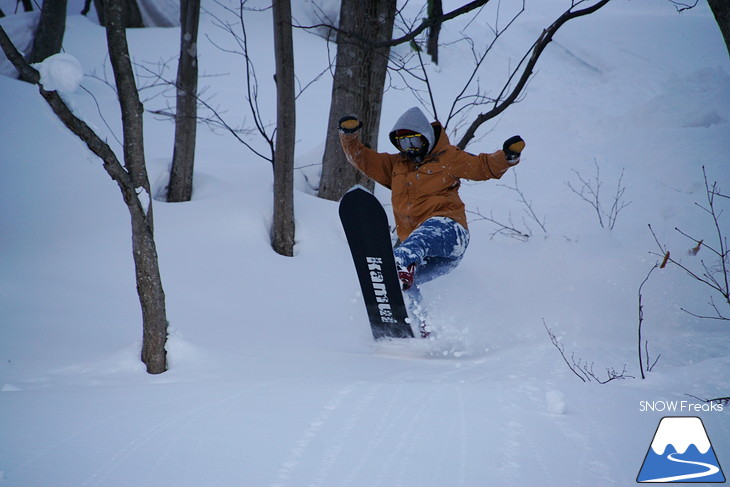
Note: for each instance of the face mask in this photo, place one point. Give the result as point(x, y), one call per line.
point(410, 143)
point(413, 145)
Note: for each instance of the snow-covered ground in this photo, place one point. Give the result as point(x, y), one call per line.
point(274, 379)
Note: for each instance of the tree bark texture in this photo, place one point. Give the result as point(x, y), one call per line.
point(180, 187)
point(149, 282)
point(721, 11)
point(357, 88)
point(132, 17)
point(283, 231)
point(49, 34)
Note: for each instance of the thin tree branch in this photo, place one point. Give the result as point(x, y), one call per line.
point(538, 47)
point(478, 62)
point(720, 400)
point(111, 164)
point(561, 348)
point(527, 204)
point(425, 24)
point(641, 321)
point(583, 370)
point(503, 229)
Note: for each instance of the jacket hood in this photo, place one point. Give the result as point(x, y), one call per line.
point(414, 120)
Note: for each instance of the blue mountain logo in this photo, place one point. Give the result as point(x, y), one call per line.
point(681, 452)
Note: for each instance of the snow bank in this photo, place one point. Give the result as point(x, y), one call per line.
point(160, 13)
point(555, 402)
point(274, 378)
point(19, 28)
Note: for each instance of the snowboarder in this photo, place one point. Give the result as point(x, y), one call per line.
point(424, 178)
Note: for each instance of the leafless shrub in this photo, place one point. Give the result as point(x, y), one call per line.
point(582, 369)
point(589, 191)
point(508, 229)
point(527, 205)
point(716, 273)
point(643, 343)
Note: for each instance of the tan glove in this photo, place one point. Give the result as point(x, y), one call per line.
point(349, 124)
point(513, 147)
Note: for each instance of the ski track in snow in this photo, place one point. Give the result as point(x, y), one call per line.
point(173, 427)
point(186, 418)
point(462, 437)
point(392, 419)
point(299, 450)
point(515, 441)
point(516, 437)
point(67, 440)
point(376, 440)
point(188, 426)
point(596, 447)
point(337, 443)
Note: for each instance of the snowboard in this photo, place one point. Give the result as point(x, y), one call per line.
point(366, 228)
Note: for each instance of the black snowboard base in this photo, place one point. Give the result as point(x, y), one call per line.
point(366, 228)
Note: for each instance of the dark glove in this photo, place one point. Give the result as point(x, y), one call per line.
point(349, 124)
point(512, 148)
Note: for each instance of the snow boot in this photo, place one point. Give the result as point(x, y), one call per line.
point(405, 274)
point(424, 329)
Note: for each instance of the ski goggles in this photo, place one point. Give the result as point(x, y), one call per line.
point(410, 142)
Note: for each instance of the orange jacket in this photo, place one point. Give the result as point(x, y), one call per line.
point(432, 187)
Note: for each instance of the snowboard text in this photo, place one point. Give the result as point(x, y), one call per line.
point(381, 294)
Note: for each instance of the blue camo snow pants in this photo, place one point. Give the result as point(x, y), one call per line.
point(436, 247)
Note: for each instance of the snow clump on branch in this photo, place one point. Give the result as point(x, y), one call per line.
point(60, 72)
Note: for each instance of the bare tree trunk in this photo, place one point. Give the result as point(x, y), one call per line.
point(131, 16)
point(357, 88)
point(132, 181)
point(149, 283)
point(49, 34)
point(283, 231)
point(721, 11)
point(186, 113)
